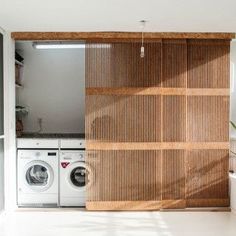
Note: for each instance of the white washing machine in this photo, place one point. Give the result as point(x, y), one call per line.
point(37, 173)
point(74, 173)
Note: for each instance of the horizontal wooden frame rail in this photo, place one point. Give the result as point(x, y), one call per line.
point(157, 91)
point(153, 205)
point(123, 205)
point(95, 145)
point(116, 36)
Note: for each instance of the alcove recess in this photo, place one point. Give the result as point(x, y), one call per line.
point(157, 127)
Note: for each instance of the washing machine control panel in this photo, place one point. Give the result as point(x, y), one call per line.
point(73, 156)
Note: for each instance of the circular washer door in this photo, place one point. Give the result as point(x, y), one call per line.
point(38, 176)
point(78, 175)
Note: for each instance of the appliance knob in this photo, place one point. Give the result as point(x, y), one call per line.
point(37, 154)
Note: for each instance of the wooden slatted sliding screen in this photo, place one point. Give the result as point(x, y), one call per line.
point(208, 121)
point(154, 124)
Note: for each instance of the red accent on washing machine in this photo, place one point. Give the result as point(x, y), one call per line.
point(64, 164)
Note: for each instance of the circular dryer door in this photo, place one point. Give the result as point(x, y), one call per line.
point(78, 174)
point(38, 176)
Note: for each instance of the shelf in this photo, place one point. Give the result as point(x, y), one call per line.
point(22, 110)
point(18, 85)
point(19, 63)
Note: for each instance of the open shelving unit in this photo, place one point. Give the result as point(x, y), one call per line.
point(19, 63)
point(22, 110)
point(19, 73)
point(18, 85)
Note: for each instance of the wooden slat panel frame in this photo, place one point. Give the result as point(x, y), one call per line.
point(163, 146)
point(94, 145)
point(134, 205)
point(207, 178)
point(157, 91)
point(114, 36)
point(156, 205)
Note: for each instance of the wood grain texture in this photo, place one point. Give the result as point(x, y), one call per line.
point(114, 36)
point(207, 178)
point(207, 92)
point(134, 205)
point(135, 91)
point(208, 119)
point(157, 128)
point(174, 63)
point(96, 145)
point(157, 91)
point(123, 118)
point(232, 161)
point(173, 178)
point(211, 202)
point(174, 119)
point(132, 175)
point(208, 63)
point(120, 65)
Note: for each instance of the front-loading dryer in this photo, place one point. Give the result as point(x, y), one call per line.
point(37, 177)
point(74, 173)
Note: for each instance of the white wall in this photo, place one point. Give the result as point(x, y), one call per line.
point(1, 174)
point(54, 89)
point(9, 123)
point(1, 121)
point(119, 15)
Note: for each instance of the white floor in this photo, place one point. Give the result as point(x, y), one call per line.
point(76, 223)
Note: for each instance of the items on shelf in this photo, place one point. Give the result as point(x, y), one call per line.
point(21, 110)
point(18, 69)
point(19, 128)
point(18, 57)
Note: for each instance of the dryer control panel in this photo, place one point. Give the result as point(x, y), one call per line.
point(72, 144)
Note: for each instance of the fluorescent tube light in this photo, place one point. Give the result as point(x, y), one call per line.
point(58, 45)
point(68, 45)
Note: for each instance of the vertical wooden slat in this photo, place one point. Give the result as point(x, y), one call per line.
point(123, 118)
point(208, 119)
point(174, 63)
point(122, 175)
point(174, 125)
point(208, 63)
point(173, 178)
point(132, 175)
point(124, 68)
point(174, 74)
point(207, 178)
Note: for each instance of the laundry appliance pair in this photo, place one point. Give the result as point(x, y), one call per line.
point(51, 172)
